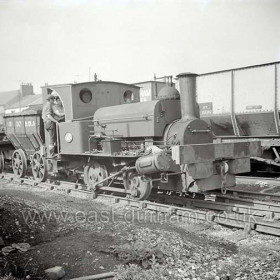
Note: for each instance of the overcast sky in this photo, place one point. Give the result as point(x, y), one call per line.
point(57, 41)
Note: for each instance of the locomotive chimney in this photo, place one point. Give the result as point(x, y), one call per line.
point(187, 86)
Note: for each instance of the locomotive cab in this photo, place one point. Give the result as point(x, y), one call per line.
point(80, 102)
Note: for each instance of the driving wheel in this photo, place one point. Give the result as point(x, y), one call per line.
point(19, 163)
point(39, 167)
point(94, 173)
point(140, 188)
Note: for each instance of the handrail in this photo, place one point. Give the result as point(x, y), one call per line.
point(82, 119)
point(145, 117)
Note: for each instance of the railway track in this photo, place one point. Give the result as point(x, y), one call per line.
point(231, 211)
point(254, 180)
point(264, 194)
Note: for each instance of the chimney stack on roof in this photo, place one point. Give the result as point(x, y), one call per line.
point(26, 89)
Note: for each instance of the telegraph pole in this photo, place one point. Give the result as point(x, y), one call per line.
point(19, 94)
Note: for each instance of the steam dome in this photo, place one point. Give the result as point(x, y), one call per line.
point(169, 92)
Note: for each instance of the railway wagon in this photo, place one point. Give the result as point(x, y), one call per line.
point(242, 104)
point(25, 131)
point(6, 149)
point(129, 147)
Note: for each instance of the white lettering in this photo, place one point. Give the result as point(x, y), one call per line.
point(29, 123)
point(18, 123)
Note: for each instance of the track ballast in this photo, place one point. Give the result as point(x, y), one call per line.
point(227, 210)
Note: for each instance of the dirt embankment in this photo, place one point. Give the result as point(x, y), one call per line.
point(94, 237)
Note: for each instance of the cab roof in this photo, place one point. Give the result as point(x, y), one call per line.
point(90, 82)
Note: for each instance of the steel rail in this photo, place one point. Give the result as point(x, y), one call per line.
point(254, 180)
point(263, 208)
point(269, 211)
point(237, 219)
point(250, 194)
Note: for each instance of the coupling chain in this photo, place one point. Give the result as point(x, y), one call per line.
point(223, 178)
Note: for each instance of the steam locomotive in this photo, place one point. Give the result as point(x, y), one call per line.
point(128, 147)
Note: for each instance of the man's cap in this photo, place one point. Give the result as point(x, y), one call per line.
point(55, 94)
point(50, 97)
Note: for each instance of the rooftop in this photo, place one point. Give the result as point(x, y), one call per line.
point(8, 97)
point(26, 101)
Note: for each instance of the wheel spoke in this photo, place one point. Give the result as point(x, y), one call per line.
point(38, 173)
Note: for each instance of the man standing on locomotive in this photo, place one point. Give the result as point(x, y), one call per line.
point(50, 122)
point(58, 109)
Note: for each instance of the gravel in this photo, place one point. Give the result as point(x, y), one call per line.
point(159, 247)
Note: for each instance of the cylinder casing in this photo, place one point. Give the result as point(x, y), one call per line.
point(153, 163)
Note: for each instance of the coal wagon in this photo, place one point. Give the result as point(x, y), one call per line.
point(242, 104)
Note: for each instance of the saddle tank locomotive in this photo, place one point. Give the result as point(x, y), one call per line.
point(130, 147)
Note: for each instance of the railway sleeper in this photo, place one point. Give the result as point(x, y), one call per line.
point(244, 221)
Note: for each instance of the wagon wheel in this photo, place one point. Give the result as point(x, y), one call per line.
point(94, 173)
point(140, 189)
point(39, 167)
point(2, 162)
point(19, 163)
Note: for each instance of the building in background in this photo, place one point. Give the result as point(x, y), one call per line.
point(8, 98)
point(33, 101)
point(149, 90)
